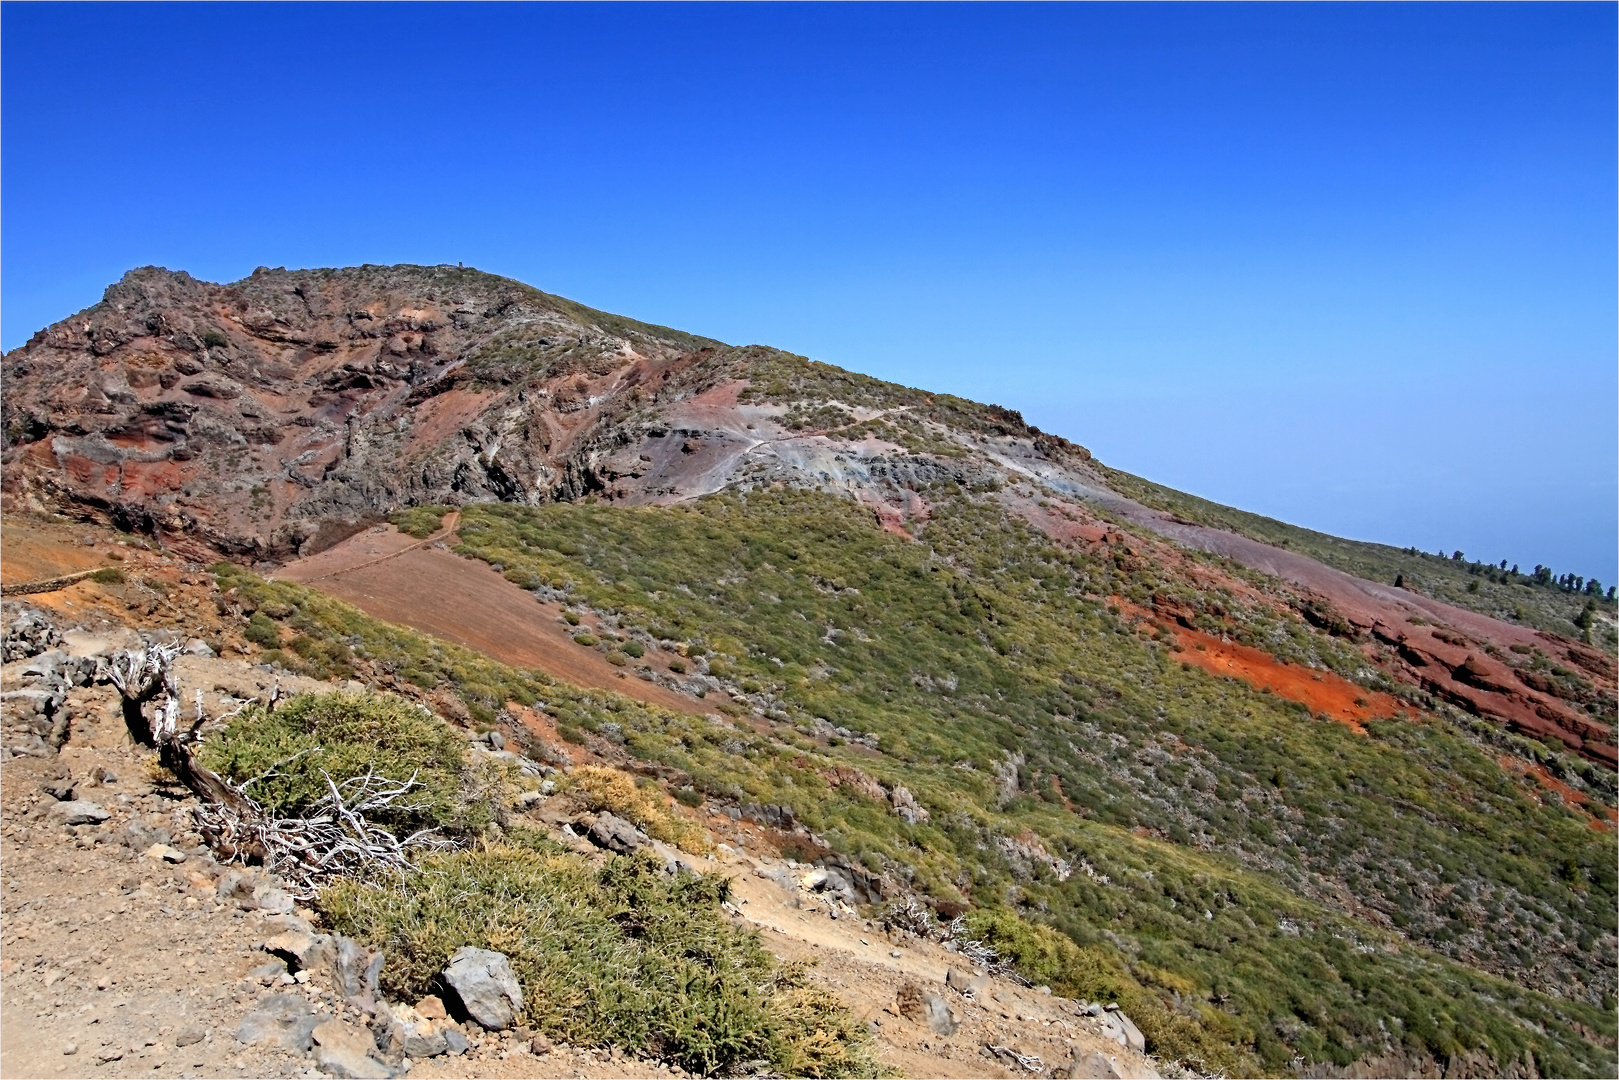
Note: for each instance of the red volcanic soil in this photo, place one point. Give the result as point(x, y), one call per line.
point(1602, 817)
point(422, 585)
point(1449, 652)
point(1322, 691)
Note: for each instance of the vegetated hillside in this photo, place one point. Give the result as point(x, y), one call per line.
point(1562, 603)
point(1226, 966)
point(1296, 817)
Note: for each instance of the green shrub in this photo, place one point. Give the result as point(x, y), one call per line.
point(634, 648)
point(213, 339)
point(343, 735)
point(109, 575)
point(624, 956)
point(677, 666)
point(584, 637)
point(1044, 956)
point(262, 631)
point(571, 618)
point(419, 521)
point(617, 658)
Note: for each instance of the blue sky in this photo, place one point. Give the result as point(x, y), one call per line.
point(1351, 266)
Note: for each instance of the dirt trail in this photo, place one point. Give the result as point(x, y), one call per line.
point(386, 542)
point(115, 962)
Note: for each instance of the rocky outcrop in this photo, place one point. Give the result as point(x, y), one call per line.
point(1463, 673)
point(249, 414)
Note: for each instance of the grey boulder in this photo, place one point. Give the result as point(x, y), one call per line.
point(486, 986)
point(78, 812)
point(345, 1050)
point(617, 835)
point(284, 1020)
point(967, 982)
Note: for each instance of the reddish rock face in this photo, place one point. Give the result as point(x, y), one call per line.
point(247, 414)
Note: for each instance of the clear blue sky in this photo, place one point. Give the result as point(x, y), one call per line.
point(1351, 266)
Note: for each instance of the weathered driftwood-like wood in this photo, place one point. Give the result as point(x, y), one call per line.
point(333, 838)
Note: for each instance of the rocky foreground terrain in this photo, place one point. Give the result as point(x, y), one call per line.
point(129, 949)
point(892, 661)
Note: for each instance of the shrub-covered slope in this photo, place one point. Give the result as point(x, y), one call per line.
point(1211, 856)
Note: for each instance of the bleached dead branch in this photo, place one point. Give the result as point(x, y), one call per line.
point(334, 838)
point(1027, 1062)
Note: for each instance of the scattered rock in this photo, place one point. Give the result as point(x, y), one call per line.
point(166, 853)
point(616, 835)
point(344, 1050)
point(284, 1020)
point(267, 897)
point(432, 1008)
point(139, 836)
point(923, 1007)
point(1119, 1028)
point(355, 970)
point(967, 982)
point(61, 790)
point(406, 1033)
point(268, 973)
point(189, 1036)
point(906, 806)
point(70, 1049)
point(487, 988)
point(1132, 1034)
point(1090, 1065)
point(29, 635)
point(78, 812)
point(301, 949)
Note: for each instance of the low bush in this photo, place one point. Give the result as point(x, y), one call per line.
point(419, 521)
point(624, 956)
point(262, 631)
point(341, 735)
point(597, 788)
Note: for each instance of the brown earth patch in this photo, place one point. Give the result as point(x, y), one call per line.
point(31, 551)
point(466, 601)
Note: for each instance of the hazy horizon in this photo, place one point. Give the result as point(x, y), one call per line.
point(1350, 266)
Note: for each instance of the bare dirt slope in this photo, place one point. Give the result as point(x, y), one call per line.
point(424, 585)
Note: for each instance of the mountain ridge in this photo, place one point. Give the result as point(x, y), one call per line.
point(272, 416)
